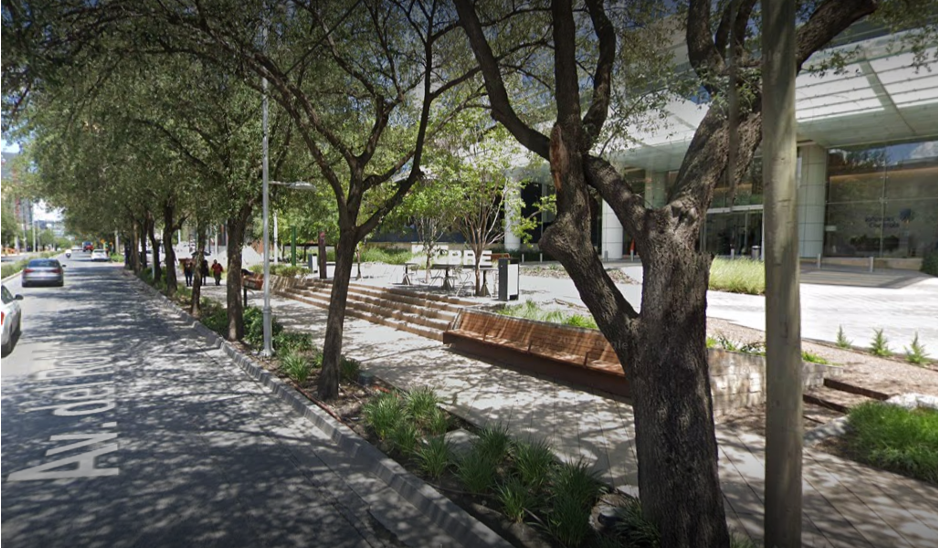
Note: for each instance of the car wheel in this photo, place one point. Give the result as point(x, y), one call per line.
point(61, 284)
point(7, 348)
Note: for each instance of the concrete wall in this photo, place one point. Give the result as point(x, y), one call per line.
point(738, 379)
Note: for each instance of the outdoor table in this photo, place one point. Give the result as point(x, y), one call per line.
point(485, 280)
point(406, 280)
point(447, 283)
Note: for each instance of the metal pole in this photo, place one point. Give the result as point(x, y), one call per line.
point(293, 246)
point(783, 447)
point(268, 349)
point(276, 246)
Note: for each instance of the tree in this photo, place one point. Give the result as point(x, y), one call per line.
point(387, 75)
point(476, 166)
point(662, 348)
point(431, 210)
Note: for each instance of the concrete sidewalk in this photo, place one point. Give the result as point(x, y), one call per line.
point(846, 504)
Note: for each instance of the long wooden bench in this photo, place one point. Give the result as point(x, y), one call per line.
point(575, 355)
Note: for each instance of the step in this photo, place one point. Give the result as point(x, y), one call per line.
point(414, 324)
point(428, 317)
point(444, 314)
point(441, 302)
point(836, 400)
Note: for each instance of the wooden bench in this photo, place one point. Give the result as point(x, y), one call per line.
point(575, 355)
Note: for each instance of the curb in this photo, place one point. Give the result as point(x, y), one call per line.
point(464, 528)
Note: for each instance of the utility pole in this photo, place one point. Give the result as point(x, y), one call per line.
point(783, 444)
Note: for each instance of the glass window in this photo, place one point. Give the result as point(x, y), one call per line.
point(913, 171)
point(853, 230)
point(910, 228)
point(855, 174)
point(7, 296)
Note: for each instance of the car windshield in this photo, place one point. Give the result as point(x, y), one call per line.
point(7, 296)
point(43, 263)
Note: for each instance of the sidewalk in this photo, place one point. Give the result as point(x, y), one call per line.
point(845, 504)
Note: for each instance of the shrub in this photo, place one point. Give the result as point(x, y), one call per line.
point(738, 276)
point(516, 499)
point(915, 354)
point(476, 470)
point(421, 404)
point(879, 346)
point(291, 341)
point(896, 439)
point(288, 270)
point(404, 437)
point(349, 369)
point(578, 320)
point(494, 441)
point(930, 263)
point(576, 480)
point(296, 367)
point(434, 457)
point(813, 358)
point(439, 422)
point(842, 340)
point(383, 413)
point(214, 317)
point(568, 521)
point(532, 461)
point(388, 256)
point(254, 327)
point(634, 529)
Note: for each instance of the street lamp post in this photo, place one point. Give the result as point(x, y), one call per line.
point(268, 350)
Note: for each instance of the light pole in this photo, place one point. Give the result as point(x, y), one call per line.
point(268, 350)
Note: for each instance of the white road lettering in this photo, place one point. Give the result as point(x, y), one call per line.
point(85, 467)
point(88, 440)
point(77, 409)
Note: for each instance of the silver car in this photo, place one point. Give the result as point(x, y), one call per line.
point(43, 272)
point(11, 318)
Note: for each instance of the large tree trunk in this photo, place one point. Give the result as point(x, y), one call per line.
point(135, 249)
point(170, 253)
point(236, 226)
point(670, 385)
point(195, 308)
point(328, 387)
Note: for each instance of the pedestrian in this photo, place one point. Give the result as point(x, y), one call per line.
point(203, 270)
point(187, 270)
point(216, 271)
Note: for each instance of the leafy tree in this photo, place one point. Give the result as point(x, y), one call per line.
point(662, 348)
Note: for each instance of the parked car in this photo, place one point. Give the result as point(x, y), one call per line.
point(100, 255)
point(43, 272)
point(11, 318)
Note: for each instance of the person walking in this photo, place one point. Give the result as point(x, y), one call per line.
point(216, 271)
point(187, 268)
point(203, 270)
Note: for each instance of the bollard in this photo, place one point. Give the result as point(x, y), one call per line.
point(732, 253)
point(818, 261)
point(632, 255)
point(542, 257)
point(871, 263)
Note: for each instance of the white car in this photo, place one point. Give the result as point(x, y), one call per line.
point(11, 317)
point(99, 255)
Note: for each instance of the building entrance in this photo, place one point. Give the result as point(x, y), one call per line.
point(728, 233)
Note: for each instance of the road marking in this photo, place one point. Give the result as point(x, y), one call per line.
point(85, 469)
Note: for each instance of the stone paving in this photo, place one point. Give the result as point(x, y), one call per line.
point(845, 504)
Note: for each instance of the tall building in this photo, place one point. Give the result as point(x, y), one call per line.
point(867, 163)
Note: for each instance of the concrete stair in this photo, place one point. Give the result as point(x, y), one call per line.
point(423, 314)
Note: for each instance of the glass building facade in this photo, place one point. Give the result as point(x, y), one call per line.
point(882, 201)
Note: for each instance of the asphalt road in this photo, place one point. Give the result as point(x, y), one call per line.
point(121, 428)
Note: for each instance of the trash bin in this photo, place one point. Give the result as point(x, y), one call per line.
point(313, 261)
point(508, 277)
point(756, 252)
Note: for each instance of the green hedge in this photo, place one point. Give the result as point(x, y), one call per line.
point(738, 276)
point(930, 263)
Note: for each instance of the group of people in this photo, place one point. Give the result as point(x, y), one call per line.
point(188, 268)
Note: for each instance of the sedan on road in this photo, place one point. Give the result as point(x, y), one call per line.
point(11, 318)
point(43, 272)
point(99, 255)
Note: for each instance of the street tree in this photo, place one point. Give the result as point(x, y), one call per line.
point(662, 348)
point(387, 75)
